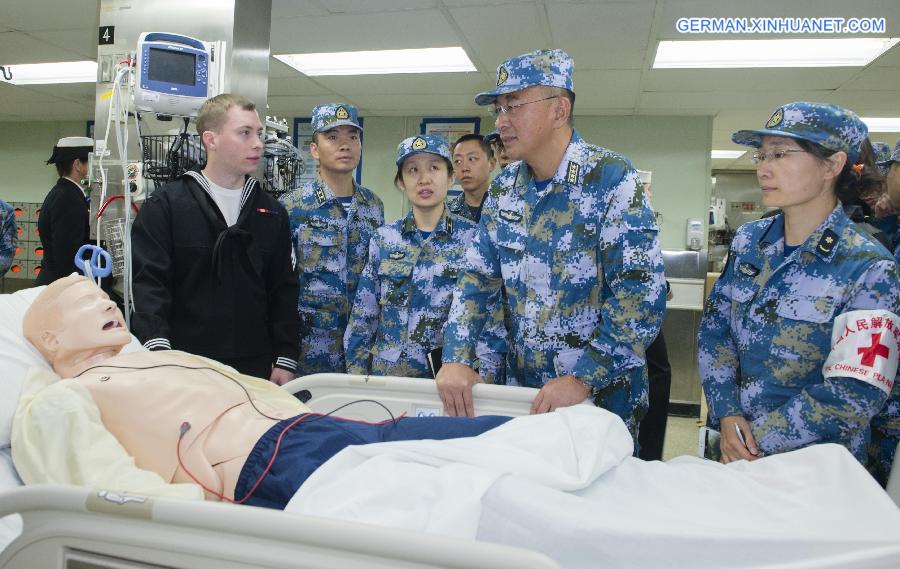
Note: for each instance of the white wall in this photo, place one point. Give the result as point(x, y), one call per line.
point(24, 147)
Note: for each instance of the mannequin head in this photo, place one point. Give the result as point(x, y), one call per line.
point(74, 325)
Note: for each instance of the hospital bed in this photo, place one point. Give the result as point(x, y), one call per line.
point(77, 528)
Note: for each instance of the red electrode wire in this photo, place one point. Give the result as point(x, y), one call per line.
point(185, 427)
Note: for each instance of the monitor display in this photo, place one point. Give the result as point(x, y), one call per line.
point(171, 66)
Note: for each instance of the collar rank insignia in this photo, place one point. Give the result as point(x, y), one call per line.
point(827, 242)
point(502, 75)
point(317, 224)
point(776, 119)
point(419, 144)
point(397, 255)
point(449, 224)
point(572, 173)
point(511, 216)
point(320, 194)
point(341, 113)
point(747, 269)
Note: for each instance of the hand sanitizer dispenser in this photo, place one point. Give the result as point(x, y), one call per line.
point(694, 234)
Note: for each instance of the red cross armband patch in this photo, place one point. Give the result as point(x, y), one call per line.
point(865, 345)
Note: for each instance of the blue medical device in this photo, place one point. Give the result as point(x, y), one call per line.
point(92, 268)
point(175, 74)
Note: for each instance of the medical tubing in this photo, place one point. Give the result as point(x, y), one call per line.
point(244, 389)
point(308, 417)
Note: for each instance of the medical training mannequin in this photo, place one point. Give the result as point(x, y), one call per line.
point(164, 405)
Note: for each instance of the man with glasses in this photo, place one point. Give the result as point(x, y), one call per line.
point(569, 233)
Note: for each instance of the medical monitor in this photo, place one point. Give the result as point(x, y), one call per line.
point(173, 74)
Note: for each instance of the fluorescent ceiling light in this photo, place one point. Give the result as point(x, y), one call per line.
point(730, 154)
point(429, 60)
point(49, 73)
point(882, 124)
point(718, 54)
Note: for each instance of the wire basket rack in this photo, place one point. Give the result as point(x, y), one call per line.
point(283, 173)
point(167, 156)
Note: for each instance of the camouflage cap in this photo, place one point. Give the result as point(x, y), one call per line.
point(882, 154)
point(330, 115)
point(827, 125)
point(892, 157)
point(550, 67)
point(430, 143)
point(492, 137)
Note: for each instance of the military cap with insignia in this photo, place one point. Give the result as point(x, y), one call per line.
point(830, 126)
point(71, 148)
point(548, 67)
point(429, 143)
point(331, 115)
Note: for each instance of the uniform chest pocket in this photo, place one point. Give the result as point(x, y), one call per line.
point(318, 248)
point(818, 309)
point(576, 255)
point(510, 249)
point(395, 277)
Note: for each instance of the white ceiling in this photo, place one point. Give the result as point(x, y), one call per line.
point(613, 43)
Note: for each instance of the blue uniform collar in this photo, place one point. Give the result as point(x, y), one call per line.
point(445, 225)
point(325, 195)
point(822, 242)
point(570, 171)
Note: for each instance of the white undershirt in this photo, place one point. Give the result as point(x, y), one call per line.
point(228, 200)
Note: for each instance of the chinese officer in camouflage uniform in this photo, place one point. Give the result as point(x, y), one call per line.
point(569, 232)
point(799, 339)
point(332, 220)
point(405, 290)
point(886, 425)
point(8, 238)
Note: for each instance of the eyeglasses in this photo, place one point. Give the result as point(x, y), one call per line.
point(509, 109)
point(774, 156)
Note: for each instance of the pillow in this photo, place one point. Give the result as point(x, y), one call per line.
point(17, 355)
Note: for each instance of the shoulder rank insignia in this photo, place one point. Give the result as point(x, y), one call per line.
point(341, 113)
point(419, 144)
point(502, 75)
point(827, 242)
point(747, 269)
point(397, 255)
point(572, 173)
point(511, 216)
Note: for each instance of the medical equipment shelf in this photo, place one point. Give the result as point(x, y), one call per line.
point(283, 173)
point(167, 156)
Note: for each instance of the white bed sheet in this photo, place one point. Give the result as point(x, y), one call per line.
point(565, 484)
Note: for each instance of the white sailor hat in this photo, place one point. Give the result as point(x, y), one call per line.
point(70, 148)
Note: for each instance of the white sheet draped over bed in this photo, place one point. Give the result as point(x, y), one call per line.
point(565, 484)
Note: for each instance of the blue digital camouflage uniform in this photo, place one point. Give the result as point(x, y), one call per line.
point(886, 425)
point(457, 205)
point(331, 242)
point(8, 238)
point(403, 298)
point(583, 274)
point(766, 333)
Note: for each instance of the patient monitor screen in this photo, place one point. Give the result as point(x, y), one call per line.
point(171, 67)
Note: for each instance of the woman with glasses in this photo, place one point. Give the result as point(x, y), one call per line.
point(800, 335)
point(404, 292)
